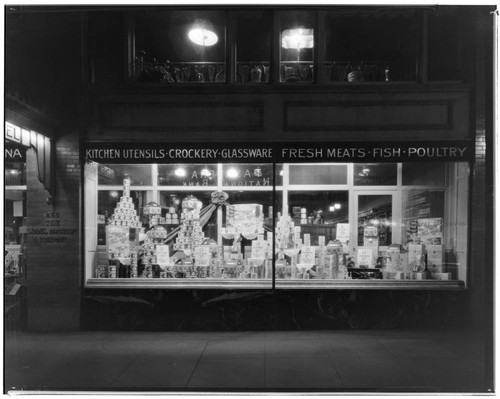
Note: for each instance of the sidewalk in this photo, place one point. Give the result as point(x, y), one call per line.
point(292, 361)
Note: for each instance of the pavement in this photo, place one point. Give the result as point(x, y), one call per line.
point(372, 361)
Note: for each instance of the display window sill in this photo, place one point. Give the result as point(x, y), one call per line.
point(358, 284)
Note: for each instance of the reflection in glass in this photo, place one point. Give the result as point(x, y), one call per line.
point(113, 174)
point(375, 211)
point(187, 175)
point(249, 175)
point(375, 174)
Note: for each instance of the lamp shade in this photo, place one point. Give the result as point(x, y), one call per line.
point(297, 38)
point(203, 37)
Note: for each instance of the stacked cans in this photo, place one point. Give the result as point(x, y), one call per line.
point(171, 217)
point(157, 233)
point(152, 213)
point(134, 273)
point(190, 235)
point(124, 213)
point(303, 216)
point(101, 271)
point(112, 271)
point(148, 256)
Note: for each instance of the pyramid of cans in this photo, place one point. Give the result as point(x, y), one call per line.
point(191, 233)
point(124, 213)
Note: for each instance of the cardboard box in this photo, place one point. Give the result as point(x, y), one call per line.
point(430, 231)
point(435, 258)
point(416, 257)
point(245, 218)
point(442, 276)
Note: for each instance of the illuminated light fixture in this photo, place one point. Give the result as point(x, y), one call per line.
point(203, 37)
point(14, 172)
point(205, 172)
point(180, 172)
point(232, 173)
point(297, 38)
point(25, 136)
point(375, 222)
point(281, 173)
point(332, 208)
point(337, 206)
point(113, 194)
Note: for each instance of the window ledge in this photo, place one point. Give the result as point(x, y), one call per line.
point(139, 283)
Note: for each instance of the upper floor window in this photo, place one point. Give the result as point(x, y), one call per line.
point(180, 46)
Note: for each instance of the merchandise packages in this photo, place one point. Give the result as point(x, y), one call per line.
point(430, 231)
point(260, 249)
point(308, 255)
point(117, 242)
point(342, 233)
point(396, 261)
point(416, 257)
point(246, 219)
point(435, 258)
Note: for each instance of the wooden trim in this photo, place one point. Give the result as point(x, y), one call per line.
point(287, 105)
point(254, 106)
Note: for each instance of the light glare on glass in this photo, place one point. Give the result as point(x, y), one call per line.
point(232, 173)
point(180, 172)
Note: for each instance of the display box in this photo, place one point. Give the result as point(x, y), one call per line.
point(430, 231)
point(416, 257)
point(245, 218)
point(435, 258)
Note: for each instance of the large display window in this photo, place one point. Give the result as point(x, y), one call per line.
point(399, 225)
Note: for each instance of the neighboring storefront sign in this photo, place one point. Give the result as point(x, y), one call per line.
point(14, 152)
point(279, 152)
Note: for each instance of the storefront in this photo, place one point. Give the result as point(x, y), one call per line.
point(274, 168)
point(259, 216)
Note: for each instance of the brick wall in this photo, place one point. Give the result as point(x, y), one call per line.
point(481, 263)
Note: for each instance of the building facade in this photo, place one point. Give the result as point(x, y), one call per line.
point(253, 168)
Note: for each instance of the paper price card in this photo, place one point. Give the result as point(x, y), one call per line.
point(259, 249)
point(343, 232)
point(162, 255)
point(307, 255)
point(365, 257)
point(202, 255)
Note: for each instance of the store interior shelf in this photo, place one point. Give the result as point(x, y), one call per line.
point(370, 284)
